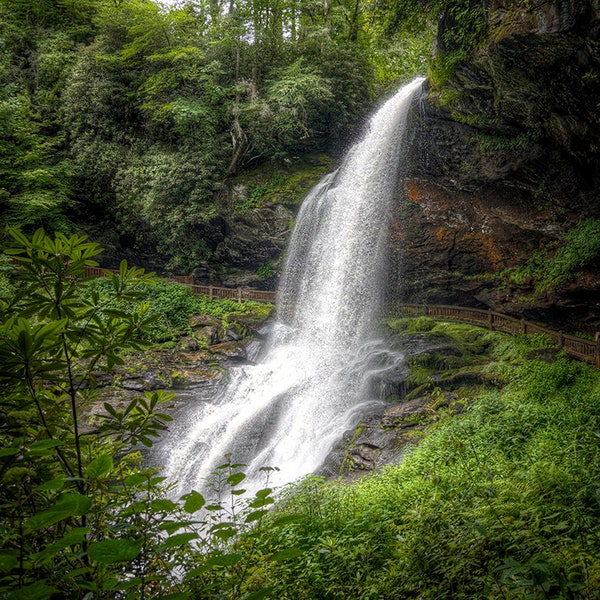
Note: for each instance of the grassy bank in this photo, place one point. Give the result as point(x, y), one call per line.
point(501, 501)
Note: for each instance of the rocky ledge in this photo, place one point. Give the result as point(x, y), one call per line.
point(196, 359)
point(447, 365)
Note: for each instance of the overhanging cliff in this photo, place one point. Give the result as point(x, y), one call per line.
point(503, 164)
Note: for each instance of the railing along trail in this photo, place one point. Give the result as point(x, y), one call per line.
point(240, 294)
point(577, 347)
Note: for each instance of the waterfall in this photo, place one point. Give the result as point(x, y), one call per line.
point(314, 380)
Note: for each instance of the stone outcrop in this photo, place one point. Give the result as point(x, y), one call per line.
point(504, 159)
point(254, 218)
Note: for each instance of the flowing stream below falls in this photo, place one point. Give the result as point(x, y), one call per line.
point(322, 360)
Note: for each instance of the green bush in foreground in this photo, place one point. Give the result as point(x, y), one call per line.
point(80, 517)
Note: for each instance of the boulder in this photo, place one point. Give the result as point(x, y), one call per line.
point(201, 321)
point(188, 344)
point(145, 381)
point(207, 336)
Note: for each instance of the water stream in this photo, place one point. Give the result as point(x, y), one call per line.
point(317, 375)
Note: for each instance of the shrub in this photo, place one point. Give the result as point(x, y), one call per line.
point(171, 304)
point(80, 516)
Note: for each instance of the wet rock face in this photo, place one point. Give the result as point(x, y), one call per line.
point(502, 161)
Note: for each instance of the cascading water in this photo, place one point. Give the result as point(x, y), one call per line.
point(313, 382)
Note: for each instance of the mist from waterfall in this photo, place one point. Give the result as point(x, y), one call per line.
point(315, 378)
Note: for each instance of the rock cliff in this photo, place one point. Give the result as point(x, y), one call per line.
point(503, 163)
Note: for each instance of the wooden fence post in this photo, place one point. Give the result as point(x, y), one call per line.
point(210, 292)
point(239, 295)
point(561, 338)
point(523, 325)
point(490, 320)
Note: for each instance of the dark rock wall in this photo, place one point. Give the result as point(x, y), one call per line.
point(503, 160)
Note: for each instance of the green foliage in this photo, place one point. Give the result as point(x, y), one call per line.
point(300, 95)
point(500, 502)
point(420, 324)
point(464, 29)
point(129, 114)
point(280, 184)
point(80, 517)
point(500, 142)
point(402, 57)
point(546, 269)
point(265, 271)
point(169, 305)
point(7, 268)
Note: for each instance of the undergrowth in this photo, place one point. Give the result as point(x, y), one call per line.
point(171, 304)
point(502, 501)
point(562, 263)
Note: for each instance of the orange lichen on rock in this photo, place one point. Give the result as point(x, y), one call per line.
point(488, 248)
point(440, 233)
point(411, 187)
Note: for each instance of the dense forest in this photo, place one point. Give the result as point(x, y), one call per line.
point(123, 118)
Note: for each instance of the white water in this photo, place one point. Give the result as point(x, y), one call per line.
point(315, 379)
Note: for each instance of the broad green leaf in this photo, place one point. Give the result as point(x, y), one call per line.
point(54, 484)
point(263, 493)
point(180, 539)
point(255, 515)
point(75, 536)
point(52, 329)
point(225, 534)
point(196, 572)
point(171, 527)
point(8, 451)
point(36, 591)
point(224, 560)
point(163, 504)
point(68, 505)
point(8, 561)
point(259, 595)
point(100, 467)
point(107, 552)
point(286, 554)
point(135, 479)
point(193, 502)
point(110, 409)
point(43, 445)
point(260, 502)
point(236, 478)
point(280, 521)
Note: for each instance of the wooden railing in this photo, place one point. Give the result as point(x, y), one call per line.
point(211, 291)
point(577, 347)
point(238, 294)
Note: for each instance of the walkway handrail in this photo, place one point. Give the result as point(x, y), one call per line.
point(577, 347)
point(211, 291)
